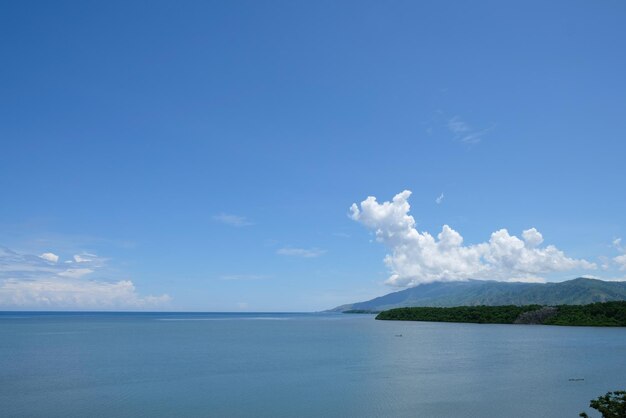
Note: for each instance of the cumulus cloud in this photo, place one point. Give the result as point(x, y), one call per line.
point(300, 252)
point(418, 257)
point(37, 282)
point(51, 257)
point(232, 220)
point(532, 238)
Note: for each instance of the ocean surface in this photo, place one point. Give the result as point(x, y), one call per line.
point(298, 365)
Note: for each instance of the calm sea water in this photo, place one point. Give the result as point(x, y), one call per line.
point(298, 365)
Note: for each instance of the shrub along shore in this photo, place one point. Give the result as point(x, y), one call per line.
point(601, 314)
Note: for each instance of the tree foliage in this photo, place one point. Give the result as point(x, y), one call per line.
point(611, 405)
point(478, 314)
point(595, 314)
point(607, 314)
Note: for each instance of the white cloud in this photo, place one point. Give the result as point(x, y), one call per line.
point(439, 199)
point(63, 293)
point(85, 258)
point(51, 257)
point(532, 237)
point(238, 277)
point(418, 257)
point(617, 243)
point(32, 282)
point(457, 126)
point(604, 262)
point(605, 279)
point(300, 252)
point(464, 132)
point(232, 220)
point(75, 273)
point(621, 261)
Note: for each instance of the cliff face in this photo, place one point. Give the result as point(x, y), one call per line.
point(481, 292)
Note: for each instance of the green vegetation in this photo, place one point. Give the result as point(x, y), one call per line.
point(595, 314)
point(611, 405)
point(607, 314)
point(478, 314)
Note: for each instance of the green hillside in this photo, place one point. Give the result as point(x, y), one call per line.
point(490, 293)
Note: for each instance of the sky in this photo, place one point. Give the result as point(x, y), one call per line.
point(299, 155)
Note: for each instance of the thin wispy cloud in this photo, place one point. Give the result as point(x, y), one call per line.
point(617, 244)
point(84, 258)
point(620, 260)
point(244, 277)
point(232, 220)
point(75, 273)
point(439, 199)
point(300, 252)
point(605, 262)
point(457, 126)
point(465, 133)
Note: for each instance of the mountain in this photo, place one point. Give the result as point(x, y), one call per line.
point(579, 291)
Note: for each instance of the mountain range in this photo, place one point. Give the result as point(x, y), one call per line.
point(578, 291)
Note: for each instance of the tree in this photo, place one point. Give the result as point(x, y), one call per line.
point(611, 405)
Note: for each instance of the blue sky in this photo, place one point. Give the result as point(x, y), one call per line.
point(205, 156)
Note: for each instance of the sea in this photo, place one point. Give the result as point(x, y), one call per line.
point(298, 365)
